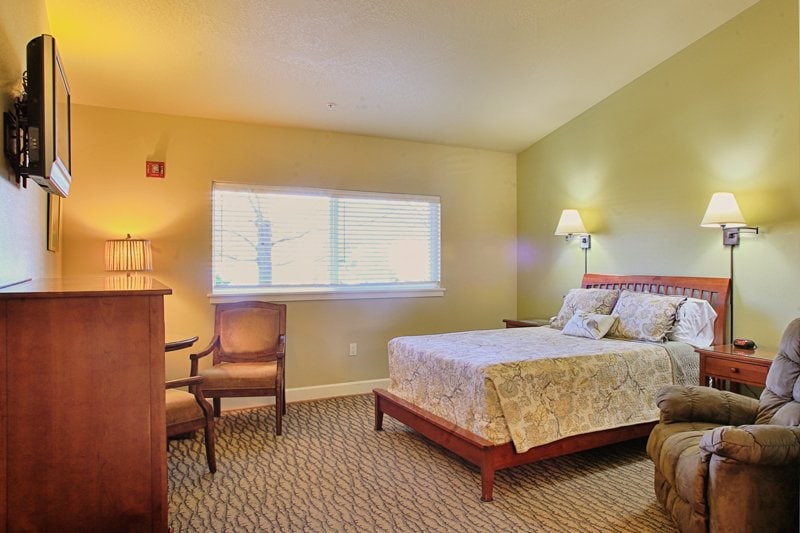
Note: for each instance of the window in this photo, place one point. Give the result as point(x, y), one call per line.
point(292, 240)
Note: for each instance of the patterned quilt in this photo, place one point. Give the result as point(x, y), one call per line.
point(534, 385)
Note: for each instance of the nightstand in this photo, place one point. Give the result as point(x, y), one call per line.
point(526, 322)
point(725, 363)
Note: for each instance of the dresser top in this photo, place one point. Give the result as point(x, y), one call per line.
point(116, 285)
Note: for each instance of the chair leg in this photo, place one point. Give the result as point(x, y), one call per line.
point(211, 455)
point(280, 408)
point(208, 430)
point(283, 393)
point(217, 407)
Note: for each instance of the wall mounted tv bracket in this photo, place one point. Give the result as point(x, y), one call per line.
point(15, 136)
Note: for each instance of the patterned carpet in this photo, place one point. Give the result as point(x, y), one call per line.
point(330, 471)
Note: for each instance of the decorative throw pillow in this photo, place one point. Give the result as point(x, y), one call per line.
point(694, 323)
point(644, 316)
point(589, 325)
point(599, 301)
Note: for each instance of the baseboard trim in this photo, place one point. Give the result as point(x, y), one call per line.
point(304, 394)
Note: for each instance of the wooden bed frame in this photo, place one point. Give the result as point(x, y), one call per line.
point(490, 457)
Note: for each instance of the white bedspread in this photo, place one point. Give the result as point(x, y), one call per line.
point(534, 385)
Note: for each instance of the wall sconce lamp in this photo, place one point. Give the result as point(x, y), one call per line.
point(570, 224)
point(129, 255)
point(723, 212)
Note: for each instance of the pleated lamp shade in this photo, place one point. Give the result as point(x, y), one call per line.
point(128, 255)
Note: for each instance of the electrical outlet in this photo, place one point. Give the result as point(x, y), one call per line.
point(353, 348)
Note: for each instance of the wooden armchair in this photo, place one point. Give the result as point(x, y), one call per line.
point(188, 411)
point(248, 349)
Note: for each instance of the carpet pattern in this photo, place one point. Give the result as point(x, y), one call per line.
point(330, 471)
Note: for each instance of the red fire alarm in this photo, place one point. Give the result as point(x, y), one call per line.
point(155, 169)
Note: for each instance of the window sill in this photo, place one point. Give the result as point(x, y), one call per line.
point(237, 295)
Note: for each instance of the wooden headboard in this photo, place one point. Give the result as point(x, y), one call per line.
point(715, 291)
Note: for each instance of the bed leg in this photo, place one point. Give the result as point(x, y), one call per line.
point(378, 414)
point(487, 480)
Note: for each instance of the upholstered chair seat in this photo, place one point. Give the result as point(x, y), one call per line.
point(726, 462)
point(240, 375)
point(182, 408)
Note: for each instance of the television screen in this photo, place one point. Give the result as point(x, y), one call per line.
point(48, 100)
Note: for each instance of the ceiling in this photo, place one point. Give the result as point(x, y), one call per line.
point(493, 74)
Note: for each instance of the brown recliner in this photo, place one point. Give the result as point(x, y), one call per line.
point(726, 462)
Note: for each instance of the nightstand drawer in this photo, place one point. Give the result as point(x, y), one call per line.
point(738, 371)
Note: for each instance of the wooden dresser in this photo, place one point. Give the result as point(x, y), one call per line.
point(82, 426)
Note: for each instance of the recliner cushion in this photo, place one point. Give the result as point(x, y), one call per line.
point(765, 444)
point(787, 415)
point(675, 451)
point(780, 401)
point(703, 404)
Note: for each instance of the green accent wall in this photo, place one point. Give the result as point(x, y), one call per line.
point(721, 115)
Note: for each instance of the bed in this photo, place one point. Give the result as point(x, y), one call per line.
point(479, 438)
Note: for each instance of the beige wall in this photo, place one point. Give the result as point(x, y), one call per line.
point(111, 197)
point(722, 115)
point(23, 231)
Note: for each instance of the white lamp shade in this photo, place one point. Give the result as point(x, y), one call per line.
point(570, 222)
point(723, 211)
point(128, 254)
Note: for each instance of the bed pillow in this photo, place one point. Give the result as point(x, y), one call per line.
point(644, 316)
point(599, 301)
point(694, 323)
point(589, 325)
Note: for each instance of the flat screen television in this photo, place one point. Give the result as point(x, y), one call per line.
point(48, 116)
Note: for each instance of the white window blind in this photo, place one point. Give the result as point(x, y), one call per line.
point(269, 239)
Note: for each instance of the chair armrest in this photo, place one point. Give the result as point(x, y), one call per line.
point(754, 444)
point(184, 382)
point(704, 404)
point(281, 351)
point(194, 357)
point(207, 350)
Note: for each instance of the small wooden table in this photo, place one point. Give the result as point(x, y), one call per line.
point(526, 322)
point(726, 364)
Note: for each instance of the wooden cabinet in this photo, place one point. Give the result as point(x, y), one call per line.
point(82, 424)
point(727, 364)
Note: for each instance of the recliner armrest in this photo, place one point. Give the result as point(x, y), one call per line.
point(704, 404)
point(754, 444)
